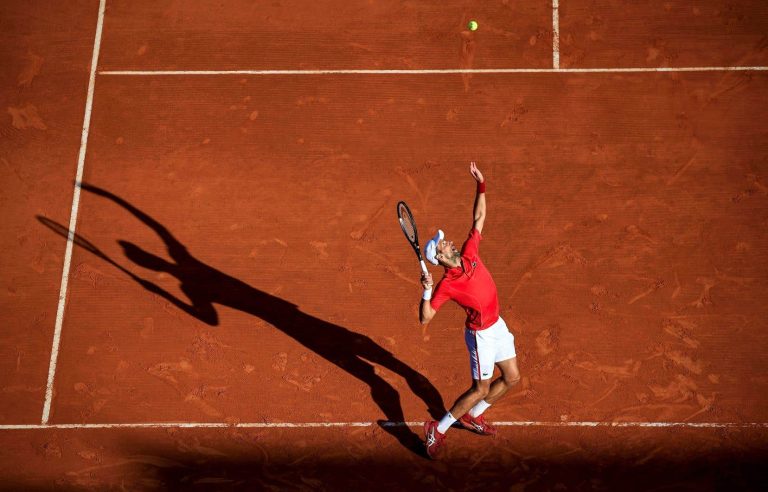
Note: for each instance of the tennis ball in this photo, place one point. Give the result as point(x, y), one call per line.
point(472, 25)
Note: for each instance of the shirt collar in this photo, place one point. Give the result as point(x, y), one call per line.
point(456, 272)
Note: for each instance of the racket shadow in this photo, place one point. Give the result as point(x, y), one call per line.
point(204, 286)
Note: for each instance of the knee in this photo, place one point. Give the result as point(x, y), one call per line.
point(511, 379)
point(481, 390)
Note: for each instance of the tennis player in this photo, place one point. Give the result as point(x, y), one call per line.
point(469, 283)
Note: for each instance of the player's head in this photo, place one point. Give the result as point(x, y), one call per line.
point(441, 251)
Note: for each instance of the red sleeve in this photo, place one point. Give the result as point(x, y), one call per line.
point(471, 246)
point(440, 296)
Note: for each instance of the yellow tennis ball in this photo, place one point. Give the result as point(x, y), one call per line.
point(472, 25)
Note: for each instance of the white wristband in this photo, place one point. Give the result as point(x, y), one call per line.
point(427, 295)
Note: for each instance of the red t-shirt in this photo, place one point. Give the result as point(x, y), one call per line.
point(471, 286)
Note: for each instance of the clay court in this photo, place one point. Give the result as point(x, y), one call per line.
point(205, 287)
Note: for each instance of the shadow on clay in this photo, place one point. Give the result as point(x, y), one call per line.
point(205, 286)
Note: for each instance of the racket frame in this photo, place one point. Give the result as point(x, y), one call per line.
point(415, 243)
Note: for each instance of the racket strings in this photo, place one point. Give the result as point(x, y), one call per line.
point(406, 222)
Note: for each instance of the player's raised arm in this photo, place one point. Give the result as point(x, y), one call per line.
point(479, 210)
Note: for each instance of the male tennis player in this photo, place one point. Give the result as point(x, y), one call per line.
point(467, 281)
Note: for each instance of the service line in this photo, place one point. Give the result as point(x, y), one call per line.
point(73, 218)
point(299, 425)
point(153, 73)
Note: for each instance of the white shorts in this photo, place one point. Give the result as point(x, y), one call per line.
point(487, 347)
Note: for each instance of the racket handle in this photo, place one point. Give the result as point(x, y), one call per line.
point(423, 267)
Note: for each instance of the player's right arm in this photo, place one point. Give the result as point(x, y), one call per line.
point(426, 312)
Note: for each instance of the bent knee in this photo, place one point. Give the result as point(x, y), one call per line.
point(482, 390)
point(512, 379)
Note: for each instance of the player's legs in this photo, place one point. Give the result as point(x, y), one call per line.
point(510, 376)
point(477, 392)
point(487, 348)
point(482, 356)
point(481, 364)
point(434, 431)
point(501, 342)
point(498, 343)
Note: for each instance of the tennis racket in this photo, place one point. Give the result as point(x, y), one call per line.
point(80, 241)
point(409, 229)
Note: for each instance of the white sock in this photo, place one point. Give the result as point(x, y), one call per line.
point(445, 423)
point(478, 409)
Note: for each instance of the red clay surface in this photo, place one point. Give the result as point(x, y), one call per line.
point(627, 257)
point(342, 34)
point(45, 52)
point(662, 33)
point(250, 269)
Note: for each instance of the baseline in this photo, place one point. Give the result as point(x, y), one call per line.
point(292, 425)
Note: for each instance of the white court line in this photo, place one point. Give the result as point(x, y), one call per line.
point(291, 425)
point(555, 35)
point(432, 71)
point(73, 218)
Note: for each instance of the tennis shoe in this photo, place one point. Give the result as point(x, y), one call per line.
point(477, 425)
point(433, 439)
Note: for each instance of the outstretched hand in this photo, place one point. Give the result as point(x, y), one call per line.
point(475, 172)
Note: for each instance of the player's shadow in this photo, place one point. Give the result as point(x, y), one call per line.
point(205, 286)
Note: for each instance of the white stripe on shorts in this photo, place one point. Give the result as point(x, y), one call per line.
point(476, 353)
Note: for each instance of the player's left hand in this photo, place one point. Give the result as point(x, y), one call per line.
point(475, 172)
